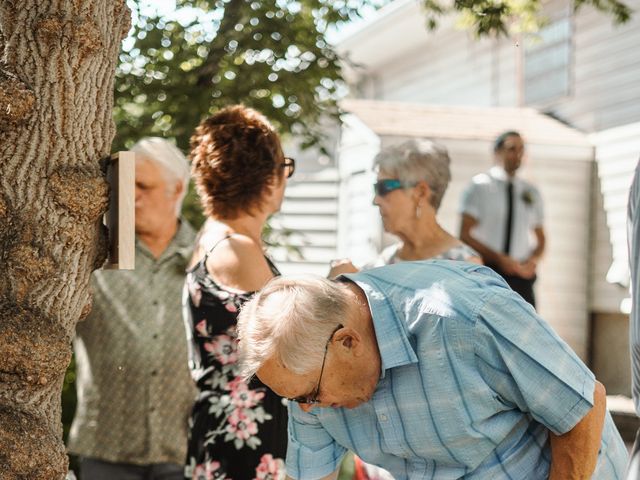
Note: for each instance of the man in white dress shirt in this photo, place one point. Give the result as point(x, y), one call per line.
point(502, 218)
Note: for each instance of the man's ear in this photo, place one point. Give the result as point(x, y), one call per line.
point(179, 188)
point(348, 341)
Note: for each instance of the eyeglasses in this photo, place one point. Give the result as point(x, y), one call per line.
point(313, 398)
point(388, 185)
point(289, 166)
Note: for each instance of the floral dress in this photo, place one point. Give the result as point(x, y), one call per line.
point(237, 431)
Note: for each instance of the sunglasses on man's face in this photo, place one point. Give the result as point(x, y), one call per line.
point(388, 185)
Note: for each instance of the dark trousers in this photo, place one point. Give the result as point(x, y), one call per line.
point(523, 286)
point(94, 469)
point(633, 469)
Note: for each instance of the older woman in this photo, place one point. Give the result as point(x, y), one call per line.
point(237, 430)
point(412, 179)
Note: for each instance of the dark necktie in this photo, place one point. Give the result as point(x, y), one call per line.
point(507, 230)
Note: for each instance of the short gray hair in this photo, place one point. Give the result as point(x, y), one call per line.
point(165, 155)
point(290, 319)
point(416, 160)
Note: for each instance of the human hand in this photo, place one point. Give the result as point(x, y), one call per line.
point(340, 266)
point(509, 266)
point(528, 269)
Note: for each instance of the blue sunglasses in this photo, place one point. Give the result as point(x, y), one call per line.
point(388, 185)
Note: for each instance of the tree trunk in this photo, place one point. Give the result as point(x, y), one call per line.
point(57, 63)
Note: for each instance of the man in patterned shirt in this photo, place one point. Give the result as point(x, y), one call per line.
point(431, 369)
point(134, 386)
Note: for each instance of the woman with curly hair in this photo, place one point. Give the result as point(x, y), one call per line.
point(238, 431)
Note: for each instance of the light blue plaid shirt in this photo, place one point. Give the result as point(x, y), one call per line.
point(472, 381)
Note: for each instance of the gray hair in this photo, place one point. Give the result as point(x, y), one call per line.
point(171, 161)
point(291, 319)
point(416, 160)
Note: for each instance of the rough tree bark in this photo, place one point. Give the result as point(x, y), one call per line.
point(57, 63)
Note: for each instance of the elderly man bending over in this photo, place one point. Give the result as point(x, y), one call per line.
point(429, 369)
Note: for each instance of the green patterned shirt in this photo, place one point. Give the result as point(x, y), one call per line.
point(134, 387)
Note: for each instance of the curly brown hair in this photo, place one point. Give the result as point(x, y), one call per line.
point(234, 158)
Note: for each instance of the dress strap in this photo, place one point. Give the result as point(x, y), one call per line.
point(272, 266)
point(226, 237)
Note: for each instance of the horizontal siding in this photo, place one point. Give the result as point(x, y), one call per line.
point(359, 224)
point(606, 89)
point(308, 218)
point(288, 267)
point(308, 238)
point(617, 153)
point(295, 206)
point(436, 75)
point(450, 67)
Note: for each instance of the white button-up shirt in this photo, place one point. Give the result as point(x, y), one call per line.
point(485, 199)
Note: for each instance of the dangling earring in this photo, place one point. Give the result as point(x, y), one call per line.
point(418, 211)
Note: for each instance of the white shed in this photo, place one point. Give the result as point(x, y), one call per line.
point(559, 160)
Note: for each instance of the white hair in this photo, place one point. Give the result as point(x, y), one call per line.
point(171, 161)
point(416, 160)
point(290, 319)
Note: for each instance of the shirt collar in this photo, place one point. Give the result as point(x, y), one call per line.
point(184, 239)
point(499, 173)
point(391, 331)
point(181, 244)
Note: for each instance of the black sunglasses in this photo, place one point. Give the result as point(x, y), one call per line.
point(313, 398)
point(289, 166)
point(388, 185)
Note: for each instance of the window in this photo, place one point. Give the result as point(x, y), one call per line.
point(547, 61)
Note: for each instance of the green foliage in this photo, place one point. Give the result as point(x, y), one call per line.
point(191, 208)
point(270, 55)
point(504, 17)
point(69, 402)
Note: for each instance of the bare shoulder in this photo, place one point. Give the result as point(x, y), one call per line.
point(238, 262)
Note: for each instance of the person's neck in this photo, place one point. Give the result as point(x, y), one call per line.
point(158, 240)
point(510, 174)
point(248, 225)
point(425, 240)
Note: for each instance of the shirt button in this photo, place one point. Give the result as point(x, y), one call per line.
point(154, 373)
point(155, 302)
point(155, 335)
point(383, 417)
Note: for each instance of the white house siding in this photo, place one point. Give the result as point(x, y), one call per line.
point(451, 67)
point(617, 153)
point(446, 67)
point(606, 72)
point(309, 214)
point(359, 235)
